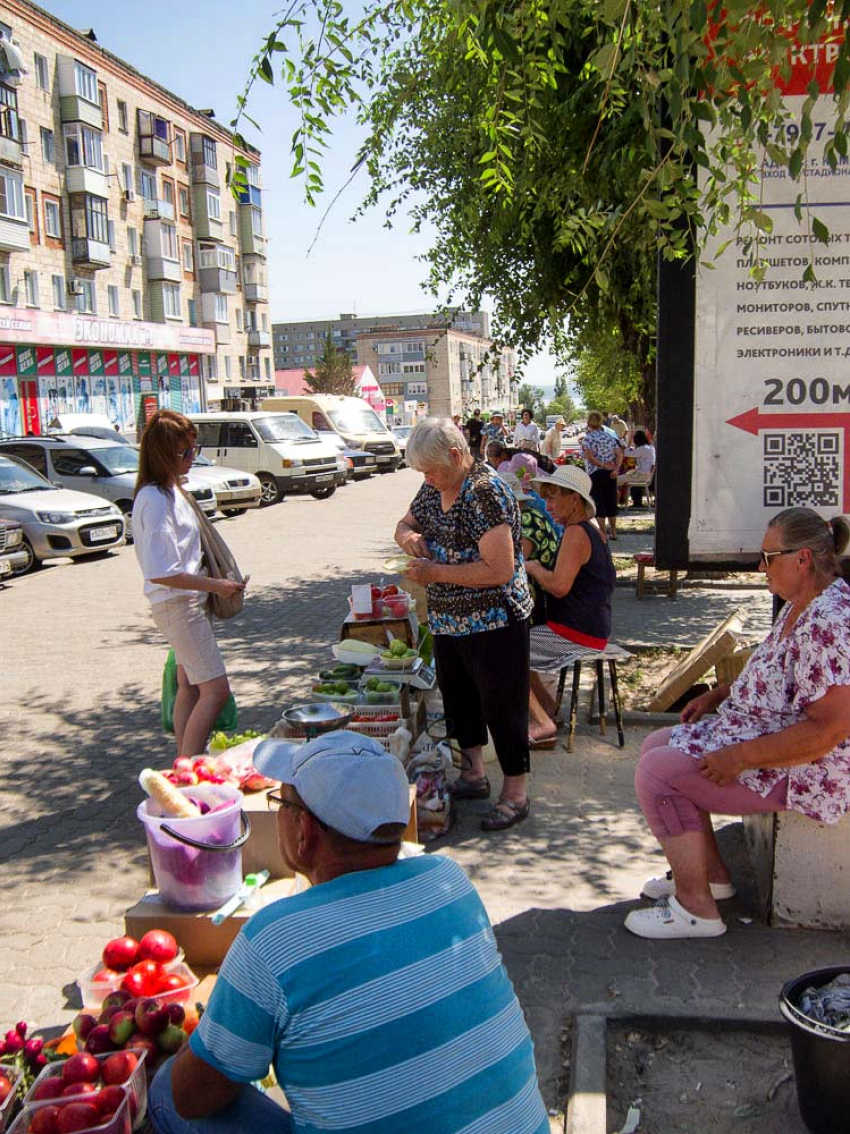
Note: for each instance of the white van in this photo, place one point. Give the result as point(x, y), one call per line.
point(352, 419)
point(279, 448)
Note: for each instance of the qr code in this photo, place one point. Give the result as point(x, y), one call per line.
point(803, 469)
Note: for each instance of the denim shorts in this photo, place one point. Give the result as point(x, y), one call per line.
point(186, 626)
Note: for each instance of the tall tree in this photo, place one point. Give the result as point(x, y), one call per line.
point(333, 372)
point(531, 397)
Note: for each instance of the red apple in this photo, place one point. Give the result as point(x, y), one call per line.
point(44, 1120)
point(78, 1089)
point(120, 953)
point(116, 999)
point(176, 1013)
point(157, 945)
point(80, 1068)
point(49, 1088)
point(121, 1027)
point(77, 1116)
point(108, 1101)
point(83, 1024)
point(119, 1067)
point(140, 1042)
point(151, 1016)
point(98, 1041)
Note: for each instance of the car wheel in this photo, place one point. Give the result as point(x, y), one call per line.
point(324, 493)
point(126, 507)
point(33, 563)
point(271, 492)
point(232, 511)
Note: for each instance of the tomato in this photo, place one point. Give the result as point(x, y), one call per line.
point(170, 982)
point(392, 589)
point(157, 945)
point(135, 983)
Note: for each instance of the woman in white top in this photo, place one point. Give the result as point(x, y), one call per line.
point(526, 433)
point(167, 540)
point(644, 458)
point(552, 441)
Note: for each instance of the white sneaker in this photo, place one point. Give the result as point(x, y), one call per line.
point(664, 887)
point(668, 919)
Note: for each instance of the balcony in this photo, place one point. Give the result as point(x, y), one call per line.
point(222, 332)
point(251, 195)
point(250, 231)
point(158, 268)
point(81, 179)
point(204, 160)
point(217, 279)
point(11, 148)
point(154, 146)
point(73, 106)
point(259, 339)
point(14, 235)
point(87, 253)
point(256, 293)
point(157, 209)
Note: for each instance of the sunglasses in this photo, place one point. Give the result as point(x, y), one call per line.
point(766, 556)
point(277, 803)
point(191, 451)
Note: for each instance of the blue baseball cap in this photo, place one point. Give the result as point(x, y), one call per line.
point(348, 781)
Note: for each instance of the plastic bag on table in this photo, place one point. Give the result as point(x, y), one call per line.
point(238, 765)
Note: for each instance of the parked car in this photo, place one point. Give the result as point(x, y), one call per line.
point(101, 432)
point(358, 463)
point(401, 434)
point(13, 558)
point(89, 464)
point(56, 521)
point(235, 491)
point(352, 418)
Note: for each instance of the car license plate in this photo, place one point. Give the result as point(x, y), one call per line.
point(324, 477)
point(5, 567)
point(384, 459)
point(97, 535)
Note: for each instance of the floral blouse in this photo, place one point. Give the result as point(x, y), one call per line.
point(602, 445)
point(780, 680)
point(484, 502)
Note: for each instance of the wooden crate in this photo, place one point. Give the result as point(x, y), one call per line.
point(374, 630)
point(732, 666)
point(718, 644)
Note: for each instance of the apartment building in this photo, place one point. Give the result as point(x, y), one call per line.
point(130, 277)
point(424, 363)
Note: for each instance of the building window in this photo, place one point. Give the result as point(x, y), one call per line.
point(210, 155)
point(221, 308)
point(168, 241)
point(256, 222)
point(5, 284)
point(168, 191)
point(110, 229)
point(241, 367)
point(85, 82)
point(132, 242)
point(212, 368)
point(188, 257)
point(87, 299)
point(31, 288)
point(29, 205)
point(254, 176)
point(147, 185)
point(227, 367)
point(122, 117)
point(97, 222)
point(10, 124)
point(112, 293)
point(52, 220)
point(137, 304)
point(239, 319)
point(12, 195)
point(265, 321)
point(171, 300)
point(48, 146)
point(126, 176)
point(193, 312)
point(83, 146)
point(184, 201)
point(42, 75)
point(233, 224)
point(58, 284)
point(213, 204)
point(179, 145)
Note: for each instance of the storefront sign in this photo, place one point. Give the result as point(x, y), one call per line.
point(20, 325)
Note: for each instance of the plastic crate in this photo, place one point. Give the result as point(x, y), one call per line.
point(122, 1122)
point(378, 709)
point(93, 992)
point(13, 1074)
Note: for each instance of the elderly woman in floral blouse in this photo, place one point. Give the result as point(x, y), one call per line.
point(781, 738)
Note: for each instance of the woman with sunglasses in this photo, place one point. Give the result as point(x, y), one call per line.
point(167, 540)
point(780, 739)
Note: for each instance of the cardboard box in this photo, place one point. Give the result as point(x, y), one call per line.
point(262, 850)
point(204, 943)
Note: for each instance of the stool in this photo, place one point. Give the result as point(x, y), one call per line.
point(646, 559)
point(612, 654)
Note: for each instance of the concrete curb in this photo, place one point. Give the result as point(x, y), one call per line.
point(586, 1109)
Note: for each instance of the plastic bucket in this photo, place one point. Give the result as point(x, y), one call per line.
point(821, 1057)
point(197, 863)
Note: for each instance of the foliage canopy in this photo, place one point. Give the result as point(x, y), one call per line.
point(333, 372)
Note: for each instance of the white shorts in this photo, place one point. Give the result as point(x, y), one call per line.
point(186, 626)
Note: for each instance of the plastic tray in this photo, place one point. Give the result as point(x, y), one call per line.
point(93, 994)
point(369, 700)
point(343, 653)
point(136, 1085)
point(120, 1123)
point(13, 1074)
point(408, 663)
point(345, 698)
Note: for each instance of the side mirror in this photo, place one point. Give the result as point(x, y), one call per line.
point(87, 470)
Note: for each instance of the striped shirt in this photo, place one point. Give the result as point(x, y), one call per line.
point(382, 1002)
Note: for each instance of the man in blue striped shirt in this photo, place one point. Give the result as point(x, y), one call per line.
point(378, 995)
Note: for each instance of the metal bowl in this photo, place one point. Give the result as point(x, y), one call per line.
point(321, 716)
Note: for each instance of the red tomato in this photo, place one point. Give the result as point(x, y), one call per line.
point(170, 982)
point(136, 984)
point(157, 945)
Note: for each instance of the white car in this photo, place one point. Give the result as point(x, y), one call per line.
point(235, 491)
point(57, 522)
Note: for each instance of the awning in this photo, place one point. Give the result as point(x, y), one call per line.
point(11, 57)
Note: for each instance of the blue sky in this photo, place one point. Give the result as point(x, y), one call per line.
point(202, 52)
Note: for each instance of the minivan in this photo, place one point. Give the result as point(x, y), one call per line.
point(279, 448)
point(353, 419)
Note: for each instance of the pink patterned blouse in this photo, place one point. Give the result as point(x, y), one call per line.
point(781, 678)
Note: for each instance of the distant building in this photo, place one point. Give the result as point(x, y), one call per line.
point(424, 365)
point(291, 383)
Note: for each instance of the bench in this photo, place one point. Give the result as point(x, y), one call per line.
point(664, 582)
point(612, 654)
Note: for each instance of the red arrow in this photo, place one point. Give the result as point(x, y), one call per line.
point(753, 421)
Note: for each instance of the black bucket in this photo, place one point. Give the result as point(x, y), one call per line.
point(821, 1057)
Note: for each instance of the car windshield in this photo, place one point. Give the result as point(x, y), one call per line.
point(403, 430)
point(283, 427)
point(356, 421)
point(200, 459)
point(19, 477)
point(118, 459)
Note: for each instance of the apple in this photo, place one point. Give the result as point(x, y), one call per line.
point(98, 1041)
point(171, 1039)
point(157, 944)
point(80, 1068)
point(49, 1088)
point(184, 779)
point(120, 953)
point(118, 1068)
point(83, 1024)
point(78, 1089)
point(176, 1014)
point(77, 1116)
point(116, 999)
point(108, 1101)
point(44, 1121)
point(182, 764)
point(151, 1016)
point(140, 1042)
point(121, 1027)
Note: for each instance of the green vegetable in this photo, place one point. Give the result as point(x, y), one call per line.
point(340, 687)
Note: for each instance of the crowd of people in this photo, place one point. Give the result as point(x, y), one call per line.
point(378, 994)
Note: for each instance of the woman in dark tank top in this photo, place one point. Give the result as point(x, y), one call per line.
point(578, 590)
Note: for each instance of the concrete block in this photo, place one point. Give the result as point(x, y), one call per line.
point(586, 1110)
point(802, 870)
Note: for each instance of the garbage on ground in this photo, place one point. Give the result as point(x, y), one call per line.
point(632, 1121)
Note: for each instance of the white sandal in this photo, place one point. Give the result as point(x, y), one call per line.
point(668, 919)
point(665, 887)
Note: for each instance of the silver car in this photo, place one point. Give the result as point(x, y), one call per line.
point(57, 522)
point(235, 491)
point(89, 464)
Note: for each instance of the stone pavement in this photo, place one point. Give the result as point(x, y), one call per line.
point(80, 719)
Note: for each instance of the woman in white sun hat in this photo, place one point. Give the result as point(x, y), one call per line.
point(578, 589)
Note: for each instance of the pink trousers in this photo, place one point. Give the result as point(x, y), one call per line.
point(674, 795)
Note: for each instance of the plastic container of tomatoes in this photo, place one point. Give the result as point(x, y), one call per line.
point(121, 1122)
point(13, 1074)
point(136, 1087)
point(94, 991)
